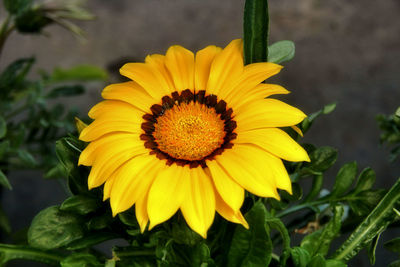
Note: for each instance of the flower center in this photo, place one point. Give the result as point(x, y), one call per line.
point(188, 128)
point(189, 131)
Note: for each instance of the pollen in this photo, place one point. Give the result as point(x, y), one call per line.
point(189, 131)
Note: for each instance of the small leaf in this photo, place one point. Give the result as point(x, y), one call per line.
point(366, 180)
point(52, 228)
point(79, 73)
point(80, 204)
point(335, 263)
point(319, 241)
point(251, 247)
point(80, 125)
point(90, 240)
point(317, 261)
point(66, 90)
point(309, 120)
point(323, 158)
point(4, 181)
point(329, 108)
point(299, 257)
point(32, 20)
point(255, 31)
point(13, 77)
point(81, 259)
point(372, 248)
point(3, 127)
point(281, 51)
point(393, 245)
point(344, 179)
point(27, 158)
point(16, 6)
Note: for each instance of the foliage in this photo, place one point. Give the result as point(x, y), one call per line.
point(390, 127)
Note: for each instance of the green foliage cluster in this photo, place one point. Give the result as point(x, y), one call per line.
point(390, 127)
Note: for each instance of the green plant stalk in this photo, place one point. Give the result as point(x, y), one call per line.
point(5, 31)
point(13, 252)
point(376, 222)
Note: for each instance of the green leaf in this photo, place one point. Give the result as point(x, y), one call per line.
point(14, 252)
point(66, 90)
point(315, 188)
point(90, 240)
point(52, 228)
point(80, 204)
point(4, 181)
point(375, 223)
point(200, 256)
point(276, 223)
point(79, 73)
point(393, 245)
point(319, 241)
point(365, 180)
point(27, 158)
point(372, 248)
point(309, 120)
point(281, 51)
point(317, 261)
point(4, 146)
point(251, 247)
point(299, 257)
point(322, 158)
point(32, 20)
point(81, 259)
point(3, 127)
point(363, 202)
point(344, 179)
point(255, 31)
point(13, 77)
point(335, 263)
point(4, 221)
point(100, 222)
point(16, 6)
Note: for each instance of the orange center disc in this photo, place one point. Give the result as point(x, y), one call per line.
point(189, 131)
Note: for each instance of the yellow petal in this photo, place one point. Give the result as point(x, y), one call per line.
point(108, 186)
point(204, 59)
point(109, 141)
point(276, 142)
point(180, 63)
point(103, 126)
point(167, 193)
point(243, 165)
point(266, 113)
point(141, 212)
point(263, 90)
point(297, 130)
point(226, 68)
point(230, 191)
point(132, 93)
point(253, 74)
point(228, 213)
point(110, 159)
point(143, 74)
point(133, 180)
point(199, 205)
point(116, 109)
point(157, 62)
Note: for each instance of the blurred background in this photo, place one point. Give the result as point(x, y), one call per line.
point(346, 52)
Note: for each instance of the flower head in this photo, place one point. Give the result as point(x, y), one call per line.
point(191, 133)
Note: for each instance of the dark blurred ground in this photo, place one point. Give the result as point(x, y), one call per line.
point(346, 51)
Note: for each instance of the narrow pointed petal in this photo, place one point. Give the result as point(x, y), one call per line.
point(203, 61)
point(180, 63)
point(261, 91)
point(110, 159)
point(230, 191)
point(267, 113)
point(113, 140)
point(157, 62)
point(167, 193)
point(133, 180)
point(228, 213)
point(199, 205)
point(226, 68)
point(130, 92)
point(143, 74)
point(242, 164)
point(276, 142)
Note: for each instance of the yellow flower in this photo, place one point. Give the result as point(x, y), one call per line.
point(191, 133)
